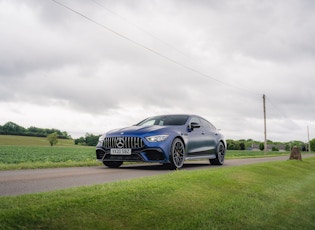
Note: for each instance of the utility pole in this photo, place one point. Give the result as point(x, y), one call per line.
point(265, 125)
point(308, 137)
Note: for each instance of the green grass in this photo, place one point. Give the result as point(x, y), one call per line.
point(231, 154)
point(18, 152)
point(275, 195)
point(30, 157)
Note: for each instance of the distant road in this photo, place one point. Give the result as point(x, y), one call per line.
point(16, 182)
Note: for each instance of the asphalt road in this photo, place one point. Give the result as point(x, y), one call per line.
point(16, 182)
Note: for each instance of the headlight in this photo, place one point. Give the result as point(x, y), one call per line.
point(157, 138)
point(101, 138)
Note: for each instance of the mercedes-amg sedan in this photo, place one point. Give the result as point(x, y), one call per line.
point(166, 139)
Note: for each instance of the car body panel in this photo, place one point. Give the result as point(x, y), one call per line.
point(199, 140)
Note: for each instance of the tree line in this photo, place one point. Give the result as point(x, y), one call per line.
point(250, 144)
point(11, 128)
point(89, 140)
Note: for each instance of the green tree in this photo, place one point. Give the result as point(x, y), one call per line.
point(12, 128)
point(261, 146)
point(242, 146)
point(80, 141)
point(297, 143)
point(232, 145)
point(89, 140)
point(312, 143)
point(53, 138)
point(287, 147)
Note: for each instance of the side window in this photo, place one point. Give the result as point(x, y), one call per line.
point(196, 124)
point(207, 124)
point(195, 120)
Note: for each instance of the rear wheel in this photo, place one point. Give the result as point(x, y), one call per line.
point(112, 164)
point(177, 154)
point(220, 154)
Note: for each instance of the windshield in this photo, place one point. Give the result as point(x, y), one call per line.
point(165, 120)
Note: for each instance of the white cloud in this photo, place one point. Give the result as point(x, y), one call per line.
point(213, 58)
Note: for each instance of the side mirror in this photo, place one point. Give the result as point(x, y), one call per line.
point(193, 125)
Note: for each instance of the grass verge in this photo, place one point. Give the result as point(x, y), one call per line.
point(233, 154)
point(275, 195)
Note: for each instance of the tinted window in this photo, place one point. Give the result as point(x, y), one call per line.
point(165, 120)
point(195, 120)
point(207, 124)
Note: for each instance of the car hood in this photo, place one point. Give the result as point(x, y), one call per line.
point(137, 130)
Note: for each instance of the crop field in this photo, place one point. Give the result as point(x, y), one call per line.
point(33, 152)
point(22, 157)
point(22, 152)
point(10, 140)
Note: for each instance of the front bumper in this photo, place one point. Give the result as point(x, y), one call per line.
point(142, 155)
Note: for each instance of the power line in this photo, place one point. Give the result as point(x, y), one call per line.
point(278, 110)
point(156, 52)
point(140, 28)
point(200, 73)
point(281, 112)
point(155, 37)
point(152, 50)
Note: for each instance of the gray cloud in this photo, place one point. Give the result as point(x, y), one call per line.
point(213, 58)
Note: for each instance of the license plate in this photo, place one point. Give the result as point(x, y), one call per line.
point(120, 151)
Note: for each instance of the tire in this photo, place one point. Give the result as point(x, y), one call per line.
point(177, 156)
point(220, 154)
point(112, 164)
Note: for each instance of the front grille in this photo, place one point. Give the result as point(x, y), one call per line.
point(123, 142)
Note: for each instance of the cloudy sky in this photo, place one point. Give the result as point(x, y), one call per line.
point(93, 65)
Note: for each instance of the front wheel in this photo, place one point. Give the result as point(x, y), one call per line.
point(112, 164)
point(220, 154)
point(177, 156)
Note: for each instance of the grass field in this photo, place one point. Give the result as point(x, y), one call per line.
point(32, 152)
point(276, 195)
point(19, 152)
point(30, 157)
point(10, 140)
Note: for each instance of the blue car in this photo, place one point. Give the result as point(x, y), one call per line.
point(166, 139)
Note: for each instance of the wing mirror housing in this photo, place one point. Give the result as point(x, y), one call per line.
point(193, 125)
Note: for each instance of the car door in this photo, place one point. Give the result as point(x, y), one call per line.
point(211, 134)
point(199, 142)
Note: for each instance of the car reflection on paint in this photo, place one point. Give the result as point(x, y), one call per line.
point(166, 139)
